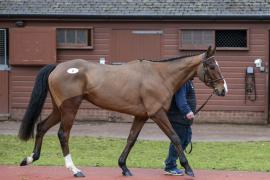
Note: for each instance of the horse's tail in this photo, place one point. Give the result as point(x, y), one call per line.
point(36, 103)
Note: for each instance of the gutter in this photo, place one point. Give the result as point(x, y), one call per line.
point(140, 17)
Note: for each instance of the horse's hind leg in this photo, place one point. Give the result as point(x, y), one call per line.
point(42, 128)
point(69, 109)
point(134, 132)
point(163, 122)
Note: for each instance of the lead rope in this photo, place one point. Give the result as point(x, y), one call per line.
point(198, 110)
point(191, 147)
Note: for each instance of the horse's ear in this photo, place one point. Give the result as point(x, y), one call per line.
point(213, 51)
point(208, 52)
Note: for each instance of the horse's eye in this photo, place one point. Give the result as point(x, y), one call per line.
point(212, 67)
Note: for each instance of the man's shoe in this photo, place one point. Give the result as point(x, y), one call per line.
point(174, 172)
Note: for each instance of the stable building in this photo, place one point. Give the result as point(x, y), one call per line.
point(35, 33)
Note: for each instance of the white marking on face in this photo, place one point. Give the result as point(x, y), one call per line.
point(216, 63)
point(72, 70)
point(69, 164)
point(225, 86)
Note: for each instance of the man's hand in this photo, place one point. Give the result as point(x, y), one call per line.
point(190, 115)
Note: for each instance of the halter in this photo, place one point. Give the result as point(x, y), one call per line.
point(209, 81)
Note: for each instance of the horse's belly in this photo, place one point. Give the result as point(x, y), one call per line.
point(115, 103)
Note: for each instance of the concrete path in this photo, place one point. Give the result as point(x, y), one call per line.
point(201, 132)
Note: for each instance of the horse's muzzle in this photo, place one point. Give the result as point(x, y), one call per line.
point(220, 93)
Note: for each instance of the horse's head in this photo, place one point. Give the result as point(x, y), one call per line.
point(209, 72)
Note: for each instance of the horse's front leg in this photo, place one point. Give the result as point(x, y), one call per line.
point(163, 122)
point(134, 132)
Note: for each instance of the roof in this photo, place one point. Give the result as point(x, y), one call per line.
point(136, 8)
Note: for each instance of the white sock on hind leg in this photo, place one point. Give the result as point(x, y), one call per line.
point(70, 165)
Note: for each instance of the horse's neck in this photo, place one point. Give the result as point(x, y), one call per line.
point(177, 72)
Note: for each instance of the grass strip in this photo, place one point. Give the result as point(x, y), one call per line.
point(96, 152)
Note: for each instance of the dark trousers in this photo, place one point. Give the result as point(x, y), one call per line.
point(185, 135)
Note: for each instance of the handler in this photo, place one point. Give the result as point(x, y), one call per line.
point(181, 115)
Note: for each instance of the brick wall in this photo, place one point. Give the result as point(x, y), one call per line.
point(236, 117)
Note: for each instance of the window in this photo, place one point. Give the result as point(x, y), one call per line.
point(196, 39)
point(231, 38)
point(3, 49)
point(75, 38)
point(222, 39)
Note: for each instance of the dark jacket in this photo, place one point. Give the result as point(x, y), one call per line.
point(182, 103)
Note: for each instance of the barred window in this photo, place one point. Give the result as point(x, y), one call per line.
point(191, 39)
point(231, 38)
point(3, 47)
point(74, 38)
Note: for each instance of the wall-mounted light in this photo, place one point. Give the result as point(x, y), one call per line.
point(19, 23)
point(259, 64)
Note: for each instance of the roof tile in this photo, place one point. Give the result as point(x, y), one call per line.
point(136, 7)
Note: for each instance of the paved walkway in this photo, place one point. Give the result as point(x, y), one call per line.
point(201, 132)
point(101, 173)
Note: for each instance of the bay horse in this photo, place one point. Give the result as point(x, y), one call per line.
point(142, 88)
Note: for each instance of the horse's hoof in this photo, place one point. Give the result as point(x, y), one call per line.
point(189, 172)
point(24, 162)
point(127, 173)
point(79, 174)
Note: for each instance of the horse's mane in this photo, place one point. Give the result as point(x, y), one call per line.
point(172, 58)
point(162, 60)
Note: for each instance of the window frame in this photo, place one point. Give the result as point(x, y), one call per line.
point(203, 47)
point(90, 39)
